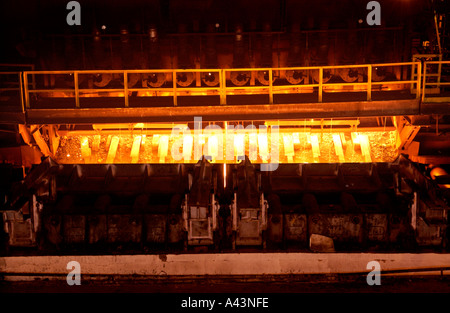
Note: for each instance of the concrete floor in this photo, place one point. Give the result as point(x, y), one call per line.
point(311, 284)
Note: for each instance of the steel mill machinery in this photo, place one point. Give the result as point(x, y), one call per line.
point(248, 207)
point(211, 130)
point(200, 208)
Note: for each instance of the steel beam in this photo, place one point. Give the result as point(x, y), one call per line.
point(224, 112)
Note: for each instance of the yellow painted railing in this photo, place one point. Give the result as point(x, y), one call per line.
point(14, 85)
point(174, 83)
point(433, 83)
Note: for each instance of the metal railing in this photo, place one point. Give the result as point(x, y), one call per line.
point(174, 89)
point(221, 83)
point(12, 87)
point(432, 81)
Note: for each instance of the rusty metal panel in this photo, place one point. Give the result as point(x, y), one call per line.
point(295, 227)
point(21, 232)
point(97, 228)
point(248, 232)
point(248, 228)
point(124, 228)
point(53, 229)
point(376, 226)
point(176, 232)
point(74, 228)
point(156, 227)
point(437, 216)
point(275, 228)
point(199, 228)
point(428, 234)
point(340, 227)
point(398, 227)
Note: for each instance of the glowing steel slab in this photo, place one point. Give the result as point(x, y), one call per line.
point(96, 143)
point(163, 148)
point(288, 148)
point(338, 148)
point(187, 147)
point(296, 140)
point(213, 147)
point(239, 146)
point(315, 148)
point(365, 148)
point(343, 140)
point(155, 141)
point(355, 141)
point(261, 147)
point(85, 150)
point(112, 150)
point(135, 149)
point(253, 147)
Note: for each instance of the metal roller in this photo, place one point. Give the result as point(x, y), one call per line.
point(102, 80)
point(210, 79)
point(379, 73)
point(295, 77)
point(349, 75)
point(327, 75)
point(240, 78)
point(263, 77)
point(154, 80)
point(133, 79)
point(185, 79)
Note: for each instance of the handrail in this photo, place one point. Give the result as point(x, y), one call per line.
point(438, 83)
point(273, 81)
point(19, 87)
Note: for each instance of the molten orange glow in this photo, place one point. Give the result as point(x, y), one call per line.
point(438, 171)
point(294, 146)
